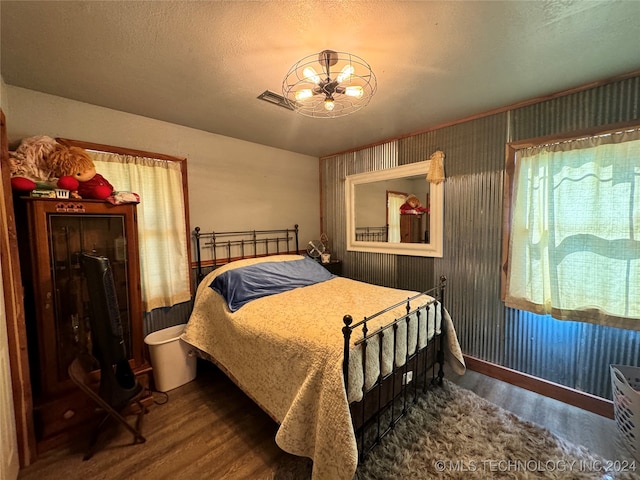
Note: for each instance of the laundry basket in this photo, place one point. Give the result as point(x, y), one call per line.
point(625, 386)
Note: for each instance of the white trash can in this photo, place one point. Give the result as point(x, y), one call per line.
point(171, 358)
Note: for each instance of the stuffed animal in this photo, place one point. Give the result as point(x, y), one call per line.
point(412, 205)
point(74, 164)
point(29, 164)
point(41, 162)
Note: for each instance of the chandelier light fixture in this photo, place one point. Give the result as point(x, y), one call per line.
point(329, 84)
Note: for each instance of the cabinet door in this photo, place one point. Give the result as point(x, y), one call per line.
point(69, 236)
point(61, 231)
point(411, 228)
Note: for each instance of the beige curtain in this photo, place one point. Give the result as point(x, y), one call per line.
point(575, 234)
point(395, 202)
point(164, 262)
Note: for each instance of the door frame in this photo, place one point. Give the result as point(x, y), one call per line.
point(14, 311)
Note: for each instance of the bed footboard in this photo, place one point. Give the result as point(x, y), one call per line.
point(385, 402)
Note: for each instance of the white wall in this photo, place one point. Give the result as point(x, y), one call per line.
point(4, 103)
point(233, 184)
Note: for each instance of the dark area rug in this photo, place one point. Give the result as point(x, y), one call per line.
point(452, 433)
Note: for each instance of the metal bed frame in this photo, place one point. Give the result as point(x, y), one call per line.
point(372, 234)
point(389, 398)
point(245, 242)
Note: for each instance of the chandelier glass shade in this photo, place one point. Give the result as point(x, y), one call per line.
point(329, 84)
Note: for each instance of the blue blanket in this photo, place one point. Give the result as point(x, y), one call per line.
point(241, 285)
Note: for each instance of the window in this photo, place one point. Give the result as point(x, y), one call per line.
point(572, 230)
point(160, 180)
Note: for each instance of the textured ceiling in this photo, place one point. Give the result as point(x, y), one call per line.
point(202, 64)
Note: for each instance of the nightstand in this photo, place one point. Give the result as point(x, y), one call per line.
point(334, 266)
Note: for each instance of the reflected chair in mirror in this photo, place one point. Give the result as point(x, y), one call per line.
point(119, 393)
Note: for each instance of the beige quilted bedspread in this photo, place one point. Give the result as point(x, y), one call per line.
point(286, 352)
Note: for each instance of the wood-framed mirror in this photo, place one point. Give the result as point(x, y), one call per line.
point(378, 219)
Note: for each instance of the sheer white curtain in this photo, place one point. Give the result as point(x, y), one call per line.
point(164, 261)
point(394, 202)
point(575, 233)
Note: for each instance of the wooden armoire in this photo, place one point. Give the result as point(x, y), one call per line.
point(411, 228)
point(52, 234)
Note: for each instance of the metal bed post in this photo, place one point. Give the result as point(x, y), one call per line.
point(405, 376)
point(393, 376)
point(364, 384)
point(346, 332)
point(229, 251)
point(213, 247)
point(380, 380)
point(198, 260)
point(443, 332)
point(255, 243)
point(426, 347)
point(418, 355)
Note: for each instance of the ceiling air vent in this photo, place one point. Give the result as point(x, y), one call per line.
point(271, 97)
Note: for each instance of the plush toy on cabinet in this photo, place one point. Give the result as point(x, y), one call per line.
point(41, 162)
point(412, 205)
point(77, 170)
point(29, 164)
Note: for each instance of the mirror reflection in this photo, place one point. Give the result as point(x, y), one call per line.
point(395, 210)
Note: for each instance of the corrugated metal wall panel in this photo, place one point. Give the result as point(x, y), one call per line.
point(166, 317)
point(542, 346)
point(570, 353)
point(471, 261)
point(373, 268)
point(608, 104)
point(474, 160)
point(417, 273)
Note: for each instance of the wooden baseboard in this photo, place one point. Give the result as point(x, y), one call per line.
point(586, 401)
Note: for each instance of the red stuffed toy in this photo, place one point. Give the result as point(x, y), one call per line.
point(78, 173)
point(412, 205)
point(96, 187)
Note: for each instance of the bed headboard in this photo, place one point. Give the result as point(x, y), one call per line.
point(225, 247)
point(372, 234)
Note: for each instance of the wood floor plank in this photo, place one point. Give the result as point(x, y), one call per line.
point(209, 429)
point(208, 425)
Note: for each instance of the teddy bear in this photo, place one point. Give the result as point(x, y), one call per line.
point(29, 164)
point(78, 173)
point(412, 205)
point(41, 162)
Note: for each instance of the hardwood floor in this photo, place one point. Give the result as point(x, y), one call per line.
point(207, 425)
point(210, 429)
